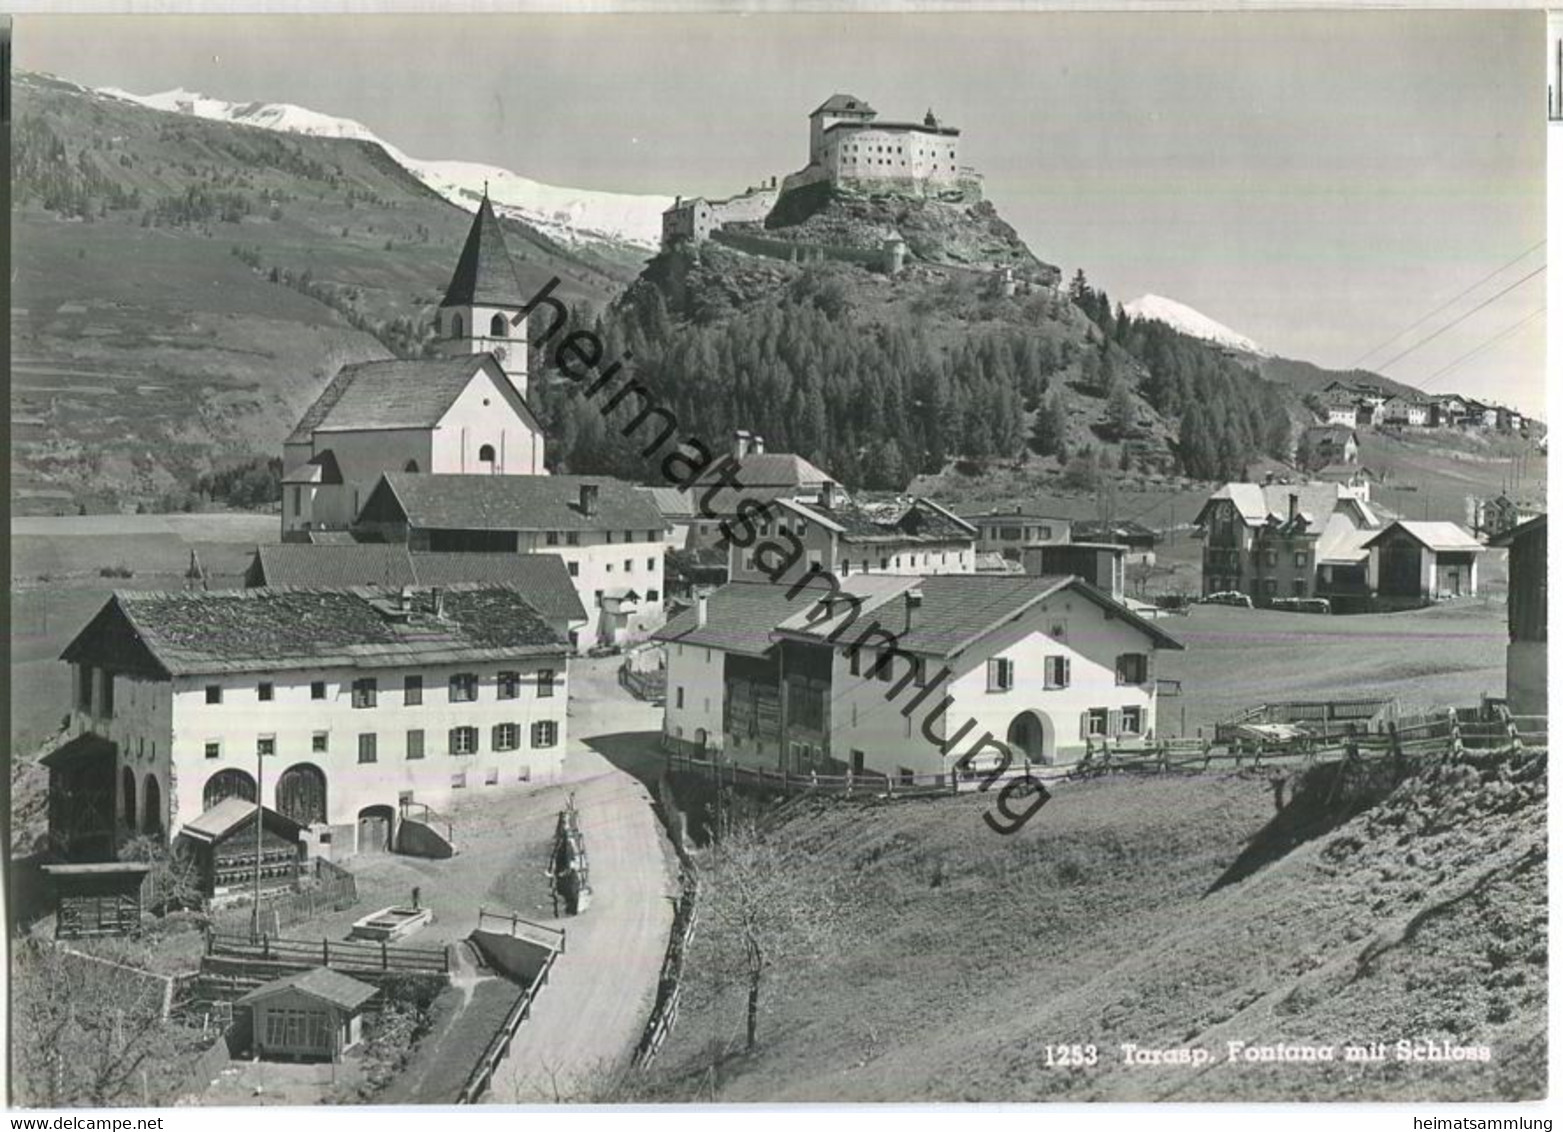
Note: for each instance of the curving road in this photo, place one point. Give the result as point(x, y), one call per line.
point(586, 1021)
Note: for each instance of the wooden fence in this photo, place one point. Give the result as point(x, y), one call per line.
point(664, 1013)
point(340, 954)
point(335, 890)
point(865, 784)
point(499, 1045)
point(513, 923)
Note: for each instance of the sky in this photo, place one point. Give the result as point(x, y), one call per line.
point(1317, 181)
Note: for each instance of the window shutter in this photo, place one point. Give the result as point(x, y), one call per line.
point(1066, 672)
point(452, 738)
point(494, 737)
point(1085, 725)
point(1114, 721)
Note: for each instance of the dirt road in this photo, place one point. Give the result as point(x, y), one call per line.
point(589, 1017)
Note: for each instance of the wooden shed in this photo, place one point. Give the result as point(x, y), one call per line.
point(223, 841)
point(315, 1014)
point(97, 899)
point(81, 797)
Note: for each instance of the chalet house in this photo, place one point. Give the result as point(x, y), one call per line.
point(902, 676)
point(609, 534)
point(1480, 415)
point(1365, 403)
point(350, 704)
point(1408, 409)
point(1264, 540)
point(1138, 539)
point(1499, 514)
point(464, 413)
point(1353, 478)
point(1005, 532)
point(541, 578)
point(1419, 562)
point(1322, 445)
point(1344, 416)
point(844, 539)
point(764, 476)
point(1450, 410)
point(1527, 659)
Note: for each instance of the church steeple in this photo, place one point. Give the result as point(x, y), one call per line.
point(478, 312)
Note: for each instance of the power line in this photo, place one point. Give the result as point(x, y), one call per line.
point(1439, 310)
point(1493, 341)
point(1420, 342)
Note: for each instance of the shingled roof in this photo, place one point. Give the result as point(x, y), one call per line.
point(199, 632)
point(396, 394)
point(484, 273)
point(341, 991)
point(541, 578)
point(512, 503)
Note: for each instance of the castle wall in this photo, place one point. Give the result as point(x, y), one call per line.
point(878, 153)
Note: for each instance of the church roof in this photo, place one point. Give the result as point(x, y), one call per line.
point(484, 273)
point(392, 394)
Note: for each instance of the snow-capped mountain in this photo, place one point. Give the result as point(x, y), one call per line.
point(569, 215)
point(1191, 322)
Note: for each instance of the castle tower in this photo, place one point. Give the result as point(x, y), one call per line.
point(478, 312)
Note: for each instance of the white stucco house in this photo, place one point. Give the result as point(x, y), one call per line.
point(903, 675)
point(352, 704)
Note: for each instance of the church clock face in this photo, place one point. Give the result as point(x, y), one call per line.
point(501, 352)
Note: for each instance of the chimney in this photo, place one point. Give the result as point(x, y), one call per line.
point(757, 444)
point(589, 500)
point(1291, 507)
point(827, 495)
point(700, 610)
point(438, 594)
point(404, 599)
point(914, 602)
point(741, 443)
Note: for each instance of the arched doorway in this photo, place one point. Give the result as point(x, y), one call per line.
point(301, 794)
point(152, 813)
point(1031, 738)
point(375, 825)
point(127, 779)
point(486, 456)
point(230, 783)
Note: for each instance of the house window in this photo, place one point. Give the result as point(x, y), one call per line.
point(368, 748)
point(1299, 587)
point(856, 660)
point(486, 454)
point(1270, 586)
point(365, 692)
point(629, 536)
point(597, 597)
point(463, 687)
point(1001, 674)
point(651, 564)
point(266, 745)
point(1300, 560)
point(610, 536)
point(572, 538)
point(1055, 672)
point(214, 693)
point(651, 536)
point(653, 595)
point(574, 568)
point(552, 538)
point(1096, 722)
point(458, 781)
point(84, 688)
point(214, 750)
point(463, 740)
point(412, 691)
point(264, 692)
point(545, 683)
point(629, 565)
point(320, 741)
point(680, 698)
point(415, 744)
point(1131, 668)
point(609, 567)
point(1131, 720)
point(507, 736)
point(545, 734)
point(1270, 558)
point(108, 695)
point(508, 685)
point(317, 690)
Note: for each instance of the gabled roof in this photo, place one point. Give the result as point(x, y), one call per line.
point(1525, 530)
point(923, 521)
point(512, 503)
point(837, 103)
point(341, 991)
point(83, 748)
point(231, 813)
point(770, 470)
point(957, 610)
point(1258, 504)
point(673, 503)
point(1437, 535)
point(320, 468)
point(1342, 544)
point(542, 578)
point(200, 632)
point(484, 273)
point(399, 394)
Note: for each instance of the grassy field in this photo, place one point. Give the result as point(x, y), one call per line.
point(1168, 912)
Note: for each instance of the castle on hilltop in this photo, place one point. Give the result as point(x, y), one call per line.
point(849, 146)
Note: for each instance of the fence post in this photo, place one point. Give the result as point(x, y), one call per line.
point(1456, 744)
point(1395, 749)
point(385, 961)
point(325, 953)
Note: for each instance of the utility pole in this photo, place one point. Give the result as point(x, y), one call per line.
point(259, 822)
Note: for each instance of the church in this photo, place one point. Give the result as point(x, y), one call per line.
point(463, 412)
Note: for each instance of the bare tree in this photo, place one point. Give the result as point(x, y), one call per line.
point(764, 906)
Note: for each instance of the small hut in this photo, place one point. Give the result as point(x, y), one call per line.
point(97, 899)
point(315, 1014)
point(223, 842)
